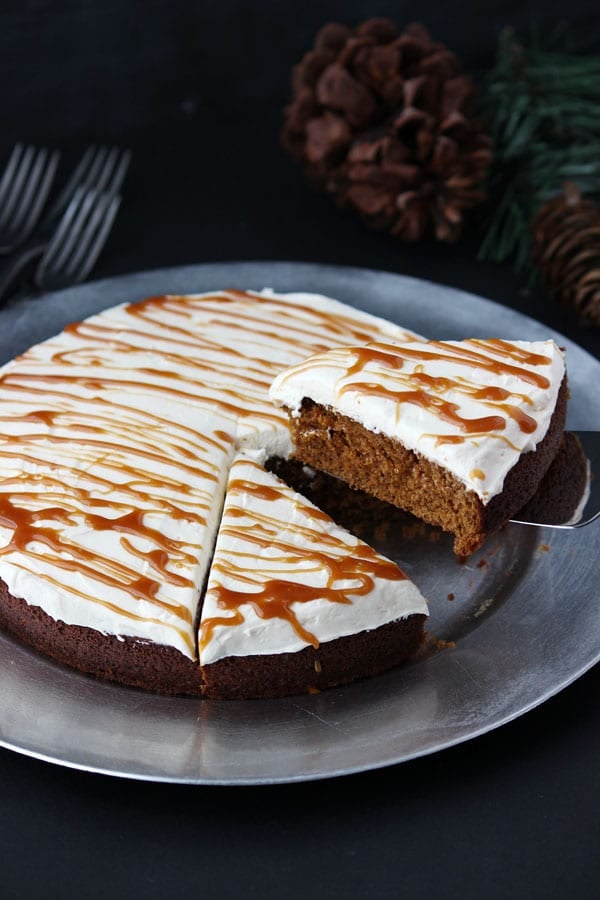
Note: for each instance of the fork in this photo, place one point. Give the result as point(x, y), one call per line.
point(101, 169)
point(24, 189)
point(69, 255)
point(77, 242)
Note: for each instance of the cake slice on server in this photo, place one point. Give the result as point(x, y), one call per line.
point(295, 603)
point(459, 433)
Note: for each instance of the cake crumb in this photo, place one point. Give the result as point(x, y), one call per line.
point(544, 548)
point(445, 645)
point(450, 596)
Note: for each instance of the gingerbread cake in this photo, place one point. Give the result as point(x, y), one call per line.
point(459, 433)
point(117, 439)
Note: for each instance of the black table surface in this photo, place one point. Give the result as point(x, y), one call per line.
point(196, 90)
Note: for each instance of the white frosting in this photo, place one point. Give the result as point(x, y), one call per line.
point(403, 391)
point(140, 408)
point(273, 538)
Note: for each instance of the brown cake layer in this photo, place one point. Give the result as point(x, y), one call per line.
point(383, 467)
point(556, 500)
point(358, 512)
point(306, 671)
point(125, 660)
point(165, 670)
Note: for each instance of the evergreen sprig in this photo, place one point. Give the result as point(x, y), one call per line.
point(542, 110)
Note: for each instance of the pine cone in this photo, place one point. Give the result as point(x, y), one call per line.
point(566, 249)
point(384, 121)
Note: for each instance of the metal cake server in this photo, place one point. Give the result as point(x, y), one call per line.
point(590, 507)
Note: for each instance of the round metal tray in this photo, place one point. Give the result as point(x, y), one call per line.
point(507, 630)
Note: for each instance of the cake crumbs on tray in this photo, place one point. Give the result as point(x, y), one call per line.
point(433, 644)
point(441, 644)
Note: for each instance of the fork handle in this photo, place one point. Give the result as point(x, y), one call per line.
point(10, 273)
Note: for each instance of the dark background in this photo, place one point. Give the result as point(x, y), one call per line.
point(196, 90)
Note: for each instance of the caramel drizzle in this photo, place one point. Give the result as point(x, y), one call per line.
point(67, 397)
point(127, 423)
point(34, 526)
point(304, 547)
point(100, 384)
point(427, 390)
point(304, 329)
point(339, 325)
point(393, 355)
point(26, 530)
point(196, 358)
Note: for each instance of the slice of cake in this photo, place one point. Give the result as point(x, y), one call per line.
point(293, 602)
point(459, 433)
point(107, 518)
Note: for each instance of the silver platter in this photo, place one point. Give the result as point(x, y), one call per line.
point(509, 629)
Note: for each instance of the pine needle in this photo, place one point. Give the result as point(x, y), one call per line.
point(542, 110)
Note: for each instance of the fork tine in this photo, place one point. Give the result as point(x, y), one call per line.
point(67, 232)
point(114, 186)
point(109, 176)
point(78, 240)
point(77, 178)
point(8, 174)
point(39, 196)
point(23, 192)
point(93, 174)
point(15, 186)
point(102, 168)
point(93, 240)
point(24, 199)
point(19, 179)
point(36, 191)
